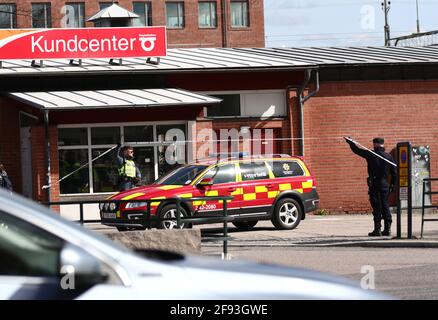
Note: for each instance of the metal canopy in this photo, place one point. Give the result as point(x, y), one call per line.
point(232, 59)
point(110, 99)
point(114, 11)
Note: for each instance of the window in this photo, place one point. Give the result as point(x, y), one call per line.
point(254, 171)
point(77, 146)
point(182, 176)
point(71, 160)
point(229, 107)
point(207, 14)
point(222, 174)
point(263, 104)
point(41, 15)
point(73, 136)
point(175, 15)
point(286, 169)
point(75, 15)
point(144, 10)
point(8, 16)
point(103, 5)
point(27, 250)
point(239, 14)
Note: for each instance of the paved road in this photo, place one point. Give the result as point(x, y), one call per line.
point(407, 273)
point(402, 272)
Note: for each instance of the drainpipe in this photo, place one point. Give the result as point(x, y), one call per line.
point(224, 24)
point(47, 152)
point(302, 99)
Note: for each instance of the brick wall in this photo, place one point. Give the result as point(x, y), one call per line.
point(396, 110)
point(39, 165)
point(190, 36)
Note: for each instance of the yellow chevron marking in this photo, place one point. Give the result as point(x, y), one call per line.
point(272, 194)
point(132, 196)
point(237, 192)
point(307, 184)
point(156, 204)
point(199, 203)
point(170, 187)
point(185, 195)
point(249, 196)
point(299, 190)
point(118, 214)
point(261, 189)
point(285, 186)
point(212, 193)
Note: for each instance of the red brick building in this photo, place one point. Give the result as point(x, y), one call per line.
point(361, 92)
point(190, 23)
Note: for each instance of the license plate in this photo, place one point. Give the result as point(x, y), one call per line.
point(109, 215)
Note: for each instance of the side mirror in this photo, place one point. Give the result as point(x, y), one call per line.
point(83, 268)
point(206, 182)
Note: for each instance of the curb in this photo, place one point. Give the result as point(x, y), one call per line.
point(346, 244)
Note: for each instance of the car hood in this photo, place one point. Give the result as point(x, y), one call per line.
point(151, 191)
point(196, 277)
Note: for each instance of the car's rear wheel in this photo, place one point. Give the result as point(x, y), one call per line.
point(169, 211)
point(245, 225)
point(287, 214)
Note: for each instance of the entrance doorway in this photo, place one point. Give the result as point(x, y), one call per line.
point(26, 121)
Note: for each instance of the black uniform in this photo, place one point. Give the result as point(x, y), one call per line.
point(378, 181)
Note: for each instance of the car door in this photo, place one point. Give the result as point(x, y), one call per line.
point(29, 263)
point(225, 183)
point(258, 186)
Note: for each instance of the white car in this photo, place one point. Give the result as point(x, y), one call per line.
point(44, 256)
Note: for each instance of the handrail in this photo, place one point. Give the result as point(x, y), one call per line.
point(424, 206)
point(147, 222)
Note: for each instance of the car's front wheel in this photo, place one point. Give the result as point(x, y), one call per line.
point(245, 225)
point(287, 214)
point(169, 212)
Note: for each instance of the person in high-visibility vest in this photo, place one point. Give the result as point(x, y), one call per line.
point(129, 174)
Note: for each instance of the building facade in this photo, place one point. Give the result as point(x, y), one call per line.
point(190, 23)
point(359, 92)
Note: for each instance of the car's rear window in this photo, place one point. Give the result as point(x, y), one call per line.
point(254, 171)
point(286, 169)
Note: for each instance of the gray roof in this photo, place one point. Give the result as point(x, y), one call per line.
point(67, 100)
point(228, 59)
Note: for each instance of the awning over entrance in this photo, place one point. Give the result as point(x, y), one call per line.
point(110, 99)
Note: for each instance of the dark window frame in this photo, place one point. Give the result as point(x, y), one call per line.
point(214, 11)
point(148, 15)
point(13, 15)
point(47, 14)
point(248, 23)
point(182, 23)
point(81, 22)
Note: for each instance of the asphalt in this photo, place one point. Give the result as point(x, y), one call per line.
point(327, 231)
point(318, 231)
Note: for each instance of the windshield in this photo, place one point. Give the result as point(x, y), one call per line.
point(182, 176)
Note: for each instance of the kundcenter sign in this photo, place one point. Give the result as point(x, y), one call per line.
point(40, 44)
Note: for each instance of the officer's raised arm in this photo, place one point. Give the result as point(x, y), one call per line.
point(353, 146)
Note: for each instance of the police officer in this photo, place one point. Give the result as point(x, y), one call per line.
point(129, 174)
point(379, 189)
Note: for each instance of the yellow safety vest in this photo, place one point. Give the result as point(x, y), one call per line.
point(128, 169)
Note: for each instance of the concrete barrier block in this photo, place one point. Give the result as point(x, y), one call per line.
point(179, 241)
